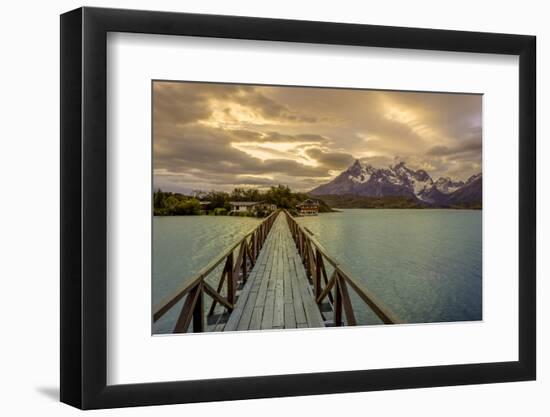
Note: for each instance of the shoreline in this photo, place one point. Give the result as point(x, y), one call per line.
point(335, 210)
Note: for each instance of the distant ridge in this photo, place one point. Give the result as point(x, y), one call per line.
point(399, 181)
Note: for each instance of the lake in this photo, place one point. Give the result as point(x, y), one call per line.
point(183, 245)
point(425, 265)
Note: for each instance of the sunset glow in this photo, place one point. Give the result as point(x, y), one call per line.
point(218, 136)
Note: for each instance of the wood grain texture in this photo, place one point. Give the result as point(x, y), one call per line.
point(277, 294)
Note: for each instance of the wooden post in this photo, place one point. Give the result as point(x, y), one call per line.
point(325, 278)
point(187, 311)
point(338, 303)
point(252, 244)
point(312, 261)
point(230, 279)
point(318, 263)
point(346, 301)
point(256, 246)
point(220, 286)
point(198, 311)
point(245, 253)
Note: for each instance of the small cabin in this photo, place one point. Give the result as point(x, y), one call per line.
point(243, 206)
point(308, 208)
point(251, 206)
point(267, 206)
point(206, 206)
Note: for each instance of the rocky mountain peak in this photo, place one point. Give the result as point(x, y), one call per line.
point(397, 180)
point(354, 169)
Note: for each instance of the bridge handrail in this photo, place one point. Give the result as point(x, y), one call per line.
point(195, 287)
point(314, 255)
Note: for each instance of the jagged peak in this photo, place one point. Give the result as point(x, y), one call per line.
point(473, 178)
point(369, 168)
point(353, 170)
point(355, 167)
point(400, 166)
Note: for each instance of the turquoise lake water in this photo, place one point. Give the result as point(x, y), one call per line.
point(183, 245)
point(425, 265)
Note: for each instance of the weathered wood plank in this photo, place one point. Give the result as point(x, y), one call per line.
point(313, 315)
point(267, 319)
point(247, 311)
point(277, 293)
point(294, 311)
point(287, 284)
point(290, 318)
point(297, 300)
point(264, 279)
point(256, 320)
point(278, 313)
point(235, 317)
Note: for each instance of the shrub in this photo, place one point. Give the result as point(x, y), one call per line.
point(220, 211)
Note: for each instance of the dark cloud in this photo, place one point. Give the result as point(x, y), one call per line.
point(241, 135)
point(183, 103)
point(222, 135)
point(471, 146)
point(270, 108)
point(210, 150)
point(331, 160)
point(438, 150)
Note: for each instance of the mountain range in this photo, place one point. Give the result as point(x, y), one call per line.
point(399, 181)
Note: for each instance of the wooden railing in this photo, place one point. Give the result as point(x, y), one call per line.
point(314, 257)
point(235, 271)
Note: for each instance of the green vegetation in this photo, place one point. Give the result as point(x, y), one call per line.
point(353, 201)
point(220, 211)
point(174, 204)
point(468, 206)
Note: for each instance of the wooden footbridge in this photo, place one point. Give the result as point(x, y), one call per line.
point(275, 277)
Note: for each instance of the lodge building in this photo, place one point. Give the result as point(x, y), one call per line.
point(308, 208)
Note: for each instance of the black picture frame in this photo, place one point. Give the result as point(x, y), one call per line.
point(84, 207)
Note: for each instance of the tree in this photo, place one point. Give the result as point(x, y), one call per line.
point(280, 195)
point(171, 202)
point(238, 194)
point(158, 199)
point(198, 194)
point(187, 207)
point(217, 198)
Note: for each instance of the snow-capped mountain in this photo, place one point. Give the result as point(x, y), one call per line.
point(401, 181)
point(447, 185)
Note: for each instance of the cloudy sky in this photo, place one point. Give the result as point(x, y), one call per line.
point(222, 136)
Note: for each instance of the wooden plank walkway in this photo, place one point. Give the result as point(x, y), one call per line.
point(277, 294)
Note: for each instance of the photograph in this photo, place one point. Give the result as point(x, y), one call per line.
point(291, 207)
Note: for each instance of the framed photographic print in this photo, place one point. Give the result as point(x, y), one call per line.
point(258, 207)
